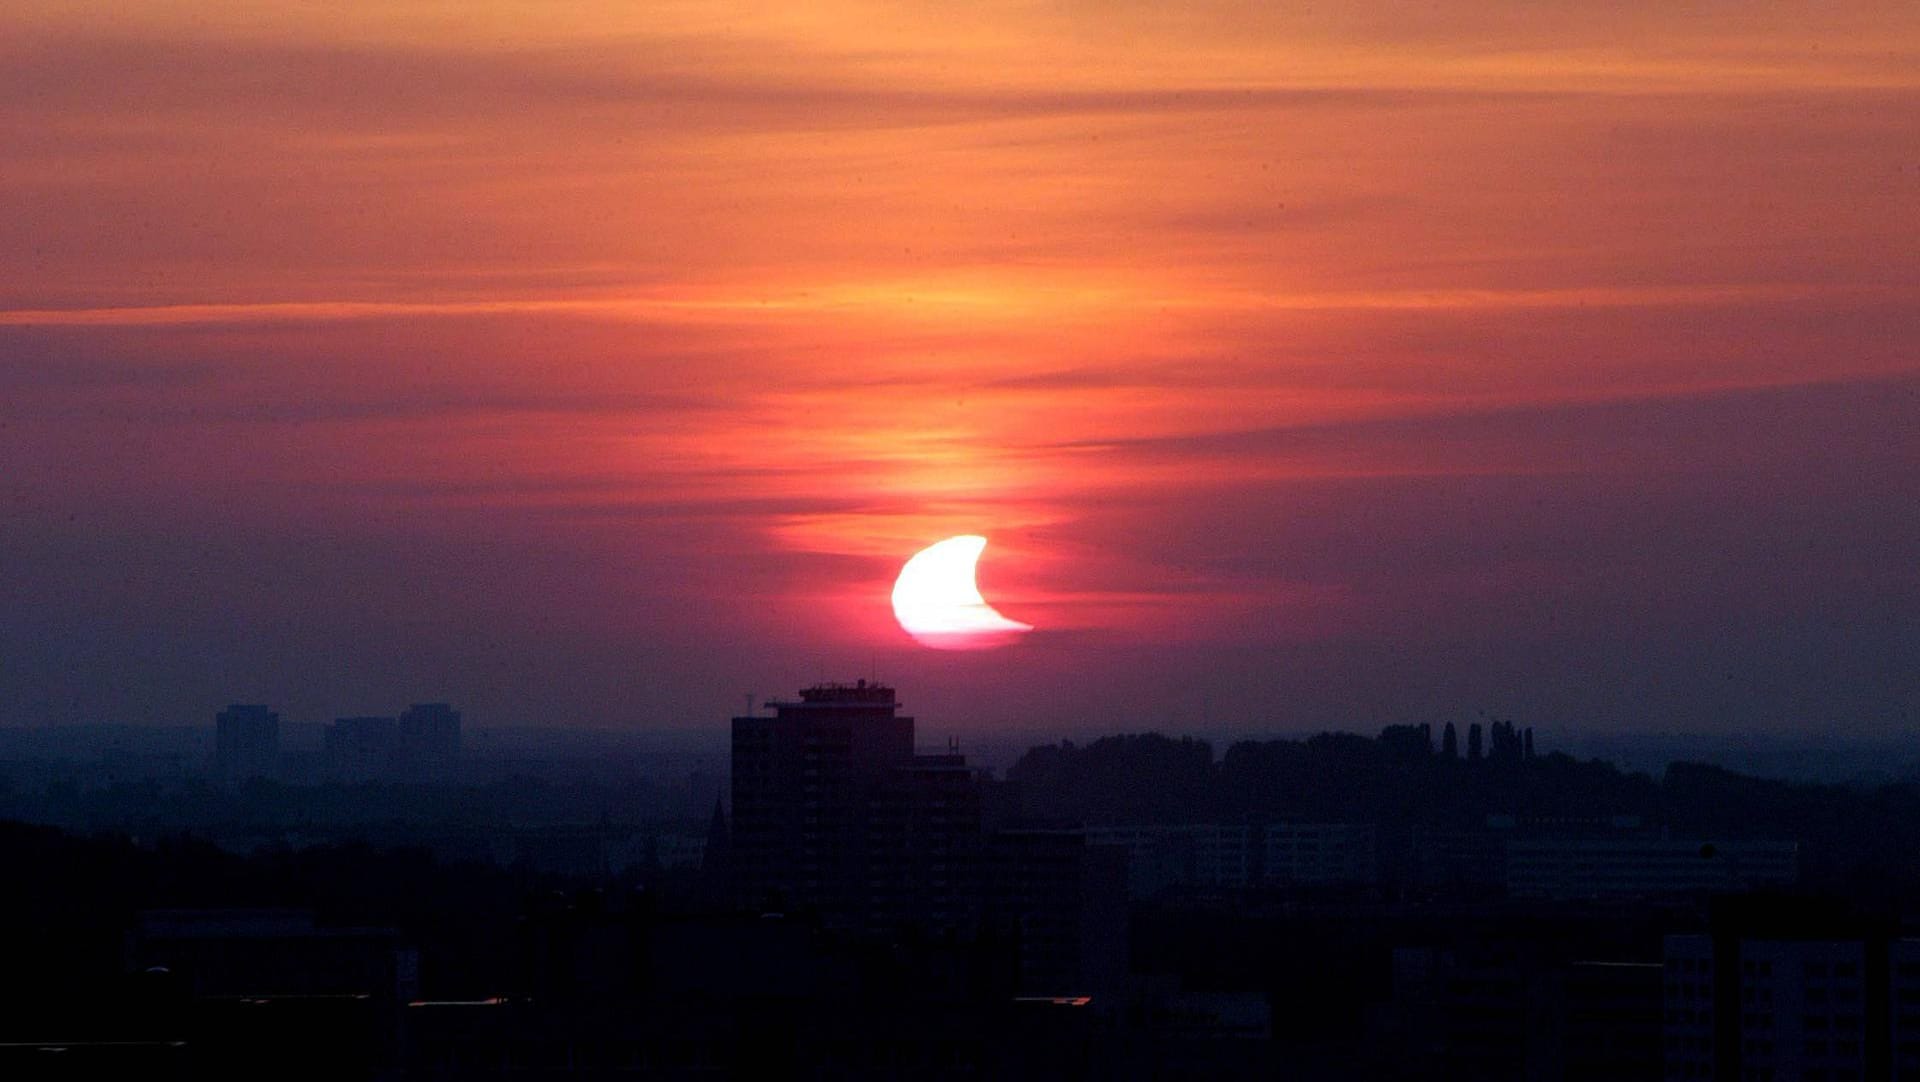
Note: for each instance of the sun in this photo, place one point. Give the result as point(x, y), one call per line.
point(937, 601)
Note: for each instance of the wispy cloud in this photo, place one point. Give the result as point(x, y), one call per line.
point(1244, 329)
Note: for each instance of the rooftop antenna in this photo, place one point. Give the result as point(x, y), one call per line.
point(749, 712)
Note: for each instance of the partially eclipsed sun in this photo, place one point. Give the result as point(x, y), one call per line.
point(937, 601)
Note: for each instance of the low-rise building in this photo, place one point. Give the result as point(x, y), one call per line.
point(1634, 867)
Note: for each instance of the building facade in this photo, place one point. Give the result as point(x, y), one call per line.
point(362, 749)
point(1830, 1009)
point(429, 741)
point(246, 743)
point(1634, 867)
point(834, 813)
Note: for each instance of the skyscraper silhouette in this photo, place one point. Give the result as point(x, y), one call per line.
point(246, 742)
point(834, 813)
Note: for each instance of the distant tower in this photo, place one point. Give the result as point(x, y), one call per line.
point(1473, 743)
point(1450, 742)
point(429, 735)
point(1528, 736)
point(246, 742)
point(362, 749)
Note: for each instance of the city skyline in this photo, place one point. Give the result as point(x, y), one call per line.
point(1304, 368)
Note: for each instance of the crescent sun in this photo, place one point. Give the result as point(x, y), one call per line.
point(938, 602)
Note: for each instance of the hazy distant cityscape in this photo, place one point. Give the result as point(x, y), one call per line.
point(1451, 901)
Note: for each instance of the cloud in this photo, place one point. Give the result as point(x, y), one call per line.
point(1422, 351)
point(1636, 434)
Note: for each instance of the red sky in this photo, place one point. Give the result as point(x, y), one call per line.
point(594, 364)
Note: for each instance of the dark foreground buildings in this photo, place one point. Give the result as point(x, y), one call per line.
point(246, 743)
point(823, 805)
point(836, 816)
point(1138, 908)
point(421, 745)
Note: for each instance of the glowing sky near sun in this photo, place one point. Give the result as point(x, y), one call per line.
point(1356, 361)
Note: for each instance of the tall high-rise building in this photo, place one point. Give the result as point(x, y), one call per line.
point(246, 742)
point(429, 741)
point(803, 782)
point(833, 812)
point(362, 749)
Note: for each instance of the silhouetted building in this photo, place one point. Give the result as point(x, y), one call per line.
point(925, 840)
point(1450, 742)
point(246, 743)
point(1609, 1021)
point(1791, 987)
point(1319, 853)
point(1473, 743)
point(429, 741)
point(1777, 1008)
point(1473, 860)
point(362, 749)
point(1223, 856)
point(1062, 903)
point(422, 744)
point(1633, 867)
point(1214, 857)
point(833, 812)
point(1903, 998)
point(1204, 856)
point(1515, 1007)
point(803, 782)
point(1469, 1010)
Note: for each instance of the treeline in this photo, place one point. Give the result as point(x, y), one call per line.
point(1863, 840)
point(1395, 778)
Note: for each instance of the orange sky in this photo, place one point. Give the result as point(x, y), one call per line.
point(641, 342)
